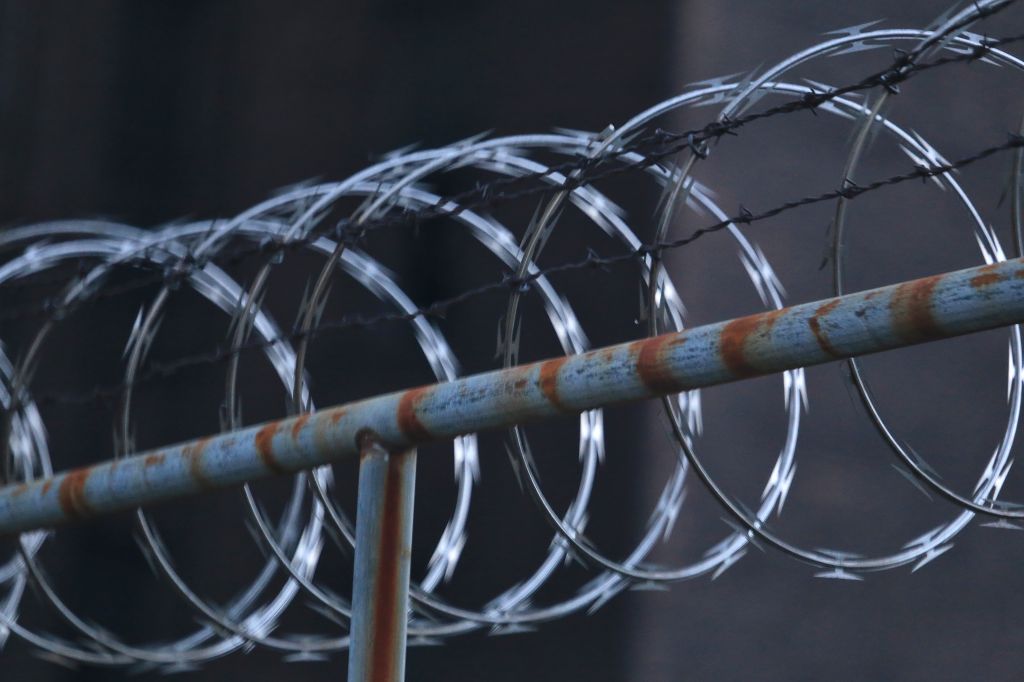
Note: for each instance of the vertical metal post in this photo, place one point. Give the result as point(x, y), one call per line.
point(380, 592)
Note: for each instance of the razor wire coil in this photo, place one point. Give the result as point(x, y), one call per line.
point(393, 192)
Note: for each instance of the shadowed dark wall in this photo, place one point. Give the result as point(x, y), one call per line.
point(153, 112)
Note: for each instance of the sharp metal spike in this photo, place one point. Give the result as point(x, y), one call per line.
point(179, 668)
point(1004, 524)
point(649, 586)
point(327, 613)
point(512, 629)
point(306, 657)
point(51, 657)
point(858, 46)
point(839, 574)
point(854, 30)
point(606, 597)
point(926, 538)
point(931, 556)
point(729, 562)
point(784, 488)
point(423, 640)
point(912, 480)
point(839, 554)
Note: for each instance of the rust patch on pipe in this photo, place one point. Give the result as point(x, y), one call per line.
point(827, 307)
point(911, 308)
point(299, 423)
point(983, 280)
point(547, 379)
point(814, 322)
point(194, 454)
point(265, 447)
point(336, 415)
point(391, 555)
point(408, 421)
point(650, 365)
point(732, 341)
point(154, 459)
point(47, 486)
point(71, 494)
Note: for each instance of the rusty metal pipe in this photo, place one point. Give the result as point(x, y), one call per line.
point(903, 314)
point(380, 589)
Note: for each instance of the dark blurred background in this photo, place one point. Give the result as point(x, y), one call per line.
point(150, 112)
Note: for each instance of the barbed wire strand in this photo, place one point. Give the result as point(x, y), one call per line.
point(653, 147)
point(439, 309)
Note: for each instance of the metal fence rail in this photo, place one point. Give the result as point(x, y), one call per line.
point(384, 430)
point(890, 317)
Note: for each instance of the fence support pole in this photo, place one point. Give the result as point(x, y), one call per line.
point(380, 591)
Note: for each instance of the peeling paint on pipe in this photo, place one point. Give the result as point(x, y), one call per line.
point(912, 312)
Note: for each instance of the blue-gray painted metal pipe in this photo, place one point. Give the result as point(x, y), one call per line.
point(380, 588)
point(889, 317)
